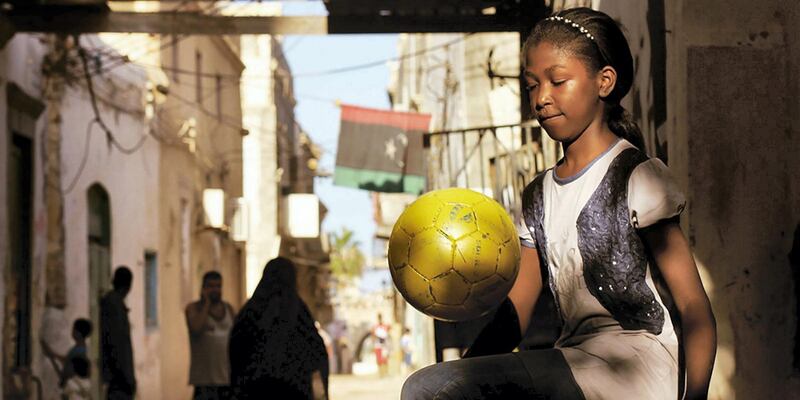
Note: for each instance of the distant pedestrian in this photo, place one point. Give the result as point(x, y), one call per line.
point(210, 320)
point(115, 339)
point(345, 356)
point(274, 346)
point(77, 386)
point(325, 368)
point(81, 329)
point(407, 347)
point(380, 333)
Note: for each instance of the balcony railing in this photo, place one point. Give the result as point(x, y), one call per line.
point(498, 161)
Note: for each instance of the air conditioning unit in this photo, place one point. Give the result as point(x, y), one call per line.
point(303, 215)
point(214, 207)
point(240, 220)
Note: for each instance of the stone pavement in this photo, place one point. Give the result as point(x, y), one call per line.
point(365, 387)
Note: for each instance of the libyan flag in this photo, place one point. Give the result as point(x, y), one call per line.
point(381, 150)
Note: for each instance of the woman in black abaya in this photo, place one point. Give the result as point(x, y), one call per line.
point(274, 347)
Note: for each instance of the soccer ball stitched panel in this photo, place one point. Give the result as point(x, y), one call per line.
point(454, 254)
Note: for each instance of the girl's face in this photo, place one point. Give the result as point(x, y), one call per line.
point(565, 96)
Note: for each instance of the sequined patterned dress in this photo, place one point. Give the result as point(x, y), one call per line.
point(617, 334)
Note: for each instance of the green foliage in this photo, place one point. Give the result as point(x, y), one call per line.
point(347, 260)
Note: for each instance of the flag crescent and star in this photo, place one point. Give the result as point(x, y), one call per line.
point(381, 150)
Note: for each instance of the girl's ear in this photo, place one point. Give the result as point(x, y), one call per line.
point(607, 79)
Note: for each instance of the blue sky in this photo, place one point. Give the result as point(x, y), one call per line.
point(318, 114)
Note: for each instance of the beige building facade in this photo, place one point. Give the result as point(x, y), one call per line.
point(82, 199)
point(201, 133)
point(92, 200)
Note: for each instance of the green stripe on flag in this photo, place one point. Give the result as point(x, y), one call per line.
point(378, 181)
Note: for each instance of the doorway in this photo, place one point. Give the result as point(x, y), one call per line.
point(99, 241)
point(20, 228)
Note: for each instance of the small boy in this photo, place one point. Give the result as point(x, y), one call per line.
point(77, 386)
point(407, 346)
point(81, 329)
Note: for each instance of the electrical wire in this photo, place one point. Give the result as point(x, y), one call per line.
point(299, 96)
point(291, 47)
point(238, 79)
point(125, 59)
point(371, 64)
point(83, 158)
point(206, 112)
point(178, 38)
point(109, 134)
point(381, 62)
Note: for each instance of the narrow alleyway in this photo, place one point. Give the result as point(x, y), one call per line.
point(365, 387)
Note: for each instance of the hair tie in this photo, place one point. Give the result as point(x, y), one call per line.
point(573, 24)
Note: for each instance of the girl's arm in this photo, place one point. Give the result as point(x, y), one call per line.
point(527, 287)
point(675, 261)
point(504, 332)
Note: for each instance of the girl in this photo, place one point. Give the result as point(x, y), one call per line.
point(601, 232)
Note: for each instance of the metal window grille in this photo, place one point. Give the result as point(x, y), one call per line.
point(498, 161)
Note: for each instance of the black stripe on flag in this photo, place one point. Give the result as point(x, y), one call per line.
point(380, 148)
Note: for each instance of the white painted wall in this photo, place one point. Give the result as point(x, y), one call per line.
point(260, 156)
point(132, 185)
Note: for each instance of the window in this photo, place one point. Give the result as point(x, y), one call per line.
point(20, 211)
point(151, 289)
point(198, 68)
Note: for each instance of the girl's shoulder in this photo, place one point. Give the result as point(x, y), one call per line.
point(533, 189)
point(653, 193)
point(532, 203)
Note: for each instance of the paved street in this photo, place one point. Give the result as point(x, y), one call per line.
point(365, 387)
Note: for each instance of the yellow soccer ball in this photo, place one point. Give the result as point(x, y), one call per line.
point(454, 254)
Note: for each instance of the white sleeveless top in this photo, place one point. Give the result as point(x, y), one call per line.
point(210, 365)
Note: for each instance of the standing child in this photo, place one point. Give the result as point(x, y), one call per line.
point(601, 227)
point(77, 386)
point(81, 329)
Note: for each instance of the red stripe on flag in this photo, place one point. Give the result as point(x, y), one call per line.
point(404, 120)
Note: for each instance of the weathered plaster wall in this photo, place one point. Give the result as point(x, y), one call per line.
point(131, 181)
point(732, 115)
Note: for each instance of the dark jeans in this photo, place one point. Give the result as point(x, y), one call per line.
point(532, 374)
point(117, 393)
point(212, 393)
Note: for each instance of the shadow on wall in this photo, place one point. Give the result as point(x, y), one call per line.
point(741, 219)
point(794, 262)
